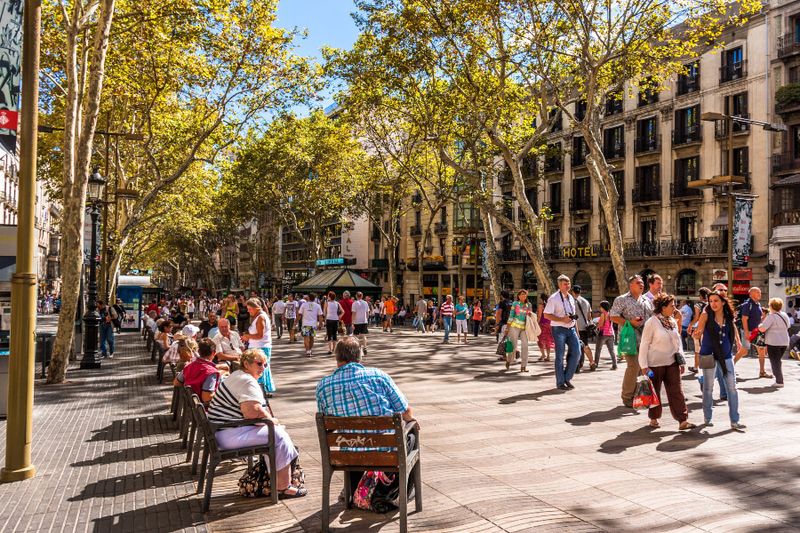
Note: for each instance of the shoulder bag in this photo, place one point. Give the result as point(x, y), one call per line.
point(591, 327)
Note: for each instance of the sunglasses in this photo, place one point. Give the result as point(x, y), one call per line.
point(259, 363)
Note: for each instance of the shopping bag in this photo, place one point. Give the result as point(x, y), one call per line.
point(645, 396)
point(509, 346)
point(627, 340)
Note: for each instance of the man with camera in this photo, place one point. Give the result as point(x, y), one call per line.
point(562, 312)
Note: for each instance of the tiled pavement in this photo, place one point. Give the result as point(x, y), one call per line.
point(500, 452)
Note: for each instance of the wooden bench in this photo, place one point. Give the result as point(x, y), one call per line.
point(336, 432)
point(213, 455)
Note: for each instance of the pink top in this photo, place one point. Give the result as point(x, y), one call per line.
point(607, 329)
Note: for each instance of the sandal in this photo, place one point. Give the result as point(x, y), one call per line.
point(764, 375)
point(654, 423)
point(299, 492)
point(593, 367)
point(686, 425)
point(523, 369)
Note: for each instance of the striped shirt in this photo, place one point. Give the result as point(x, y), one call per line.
point(237, 388)
point(446, 309)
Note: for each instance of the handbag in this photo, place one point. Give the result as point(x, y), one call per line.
point(501, 348)
point(591, 327)
point(707, 361)
point(255, 481)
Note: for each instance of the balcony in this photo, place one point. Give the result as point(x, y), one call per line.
point(734, 71)
point(786, 218)
point(704, 247)
point(554, 164)
point(785, 162)
point(512, 256)
point(739, 128)
point(645, 145)
point(687, 136)
point(440, 228)
point(645, 195)
point(680, 191)
point(614, 151)
point(688, 84)
point(415, 231)
point(471, 224)
point(379, 264)
point(580, 203)
point(788, 45)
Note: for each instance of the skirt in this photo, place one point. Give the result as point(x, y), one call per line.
point(546, 336)
point(250, 436)
point(266, 380)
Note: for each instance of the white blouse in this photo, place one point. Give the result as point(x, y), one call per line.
point(659, 344)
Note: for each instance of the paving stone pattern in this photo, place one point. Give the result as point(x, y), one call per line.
point(501, 451)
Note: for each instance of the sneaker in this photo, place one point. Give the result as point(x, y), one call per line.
point(738, 426)
point(709, 423)
point(111, 355)
point(778, 385)
point(794, 354)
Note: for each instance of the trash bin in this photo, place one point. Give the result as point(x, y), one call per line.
point(44, 350)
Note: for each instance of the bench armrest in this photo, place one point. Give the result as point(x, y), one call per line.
point(245, 422)
point(410, 426)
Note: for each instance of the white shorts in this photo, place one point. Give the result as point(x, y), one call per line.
point(461, 326)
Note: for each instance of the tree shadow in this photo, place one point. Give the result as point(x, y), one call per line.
point(512, 373)
point(687, 440)
point(535, 396)
point(629, 439)
point(135, 482)
point(619, 411)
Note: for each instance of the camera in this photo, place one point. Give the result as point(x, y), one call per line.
point(573, 316)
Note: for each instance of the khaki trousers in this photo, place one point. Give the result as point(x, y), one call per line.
point(632, 371)
point(513, 335)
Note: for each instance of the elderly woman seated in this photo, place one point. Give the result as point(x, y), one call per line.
point(201, 374)
point(241, 397)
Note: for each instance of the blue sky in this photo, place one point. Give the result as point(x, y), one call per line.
point(328, 22)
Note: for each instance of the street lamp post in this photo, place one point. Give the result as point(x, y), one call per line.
point(729, 179)
point(91, 319)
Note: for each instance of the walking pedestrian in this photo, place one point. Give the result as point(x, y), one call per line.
point(360, 315)
point(702, 293)
point(545, 340)
point(389, 309)
point(605, 335)
point(750, 313)
point(776, 334)
point(462, 315)
point(477, 317)
point(190, 307)
point(687, 313)
point(333, 314)
point(106, 329)
point(278, 310)
point(311, 319)
point(719, 339)
point(347, 306)
point(446, 311)
point(518, 315)
point(290, 316)
point(501, 313)
point(584, 325)
point(660, 352)
point(259, 337)
point(560, 311)
point(633, 307)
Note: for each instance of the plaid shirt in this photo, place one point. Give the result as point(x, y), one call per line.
point(354, 390)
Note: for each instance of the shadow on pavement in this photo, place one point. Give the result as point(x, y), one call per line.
point(135, 428)
point(137, 481)
point(133, 454)
point(169, 516)
point(619, 411)
point(758, 390)
point(535, 396)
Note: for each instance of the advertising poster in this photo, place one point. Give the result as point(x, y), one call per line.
point(10, 53)
point(742, 230)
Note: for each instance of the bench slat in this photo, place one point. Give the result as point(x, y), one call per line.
point(362, 440)
point(366, 459)
point(359, 422)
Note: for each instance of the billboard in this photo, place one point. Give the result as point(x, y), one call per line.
point(10, 52)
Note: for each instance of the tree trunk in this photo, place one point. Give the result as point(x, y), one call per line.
point(491, 257)
point(609, 196)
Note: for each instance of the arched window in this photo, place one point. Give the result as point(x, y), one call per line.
point(583, 279)
point(686, 284)
point(507, 281)
point(610, 289)
point(529, 281)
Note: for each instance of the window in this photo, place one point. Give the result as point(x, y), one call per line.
point(555, 197)
point(442, 247)
point(581, 194)
point(796, 142)
point(614, 104)
point(646, 135)
point(580, 110)
point(686, 170)
point(579, 151)
point(741, 164)
point(648, 231)
point(733, 65)
point(689, 81)
point(582, 235)
point(554, 238)
point(555, 119)
point(648, 186)
point(619, 181)
point(533, 197)
point(687, 227)
point(790, 262)
point(614, 142)
point(687, 129)
point(553, 158)
point(443, 215)
point(686, 282)
point(736, 105)
point(648, 92)
point(528, 167)
point(787, 199)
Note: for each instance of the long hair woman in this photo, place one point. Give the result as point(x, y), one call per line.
point(720, 339)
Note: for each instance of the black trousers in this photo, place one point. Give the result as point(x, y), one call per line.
point(775, 354)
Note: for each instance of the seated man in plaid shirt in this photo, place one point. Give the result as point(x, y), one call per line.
point(356, 390)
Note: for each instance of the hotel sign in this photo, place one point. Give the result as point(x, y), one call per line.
point(584, 252)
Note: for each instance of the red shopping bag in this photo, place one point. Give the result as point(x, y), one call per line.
point(645, 396)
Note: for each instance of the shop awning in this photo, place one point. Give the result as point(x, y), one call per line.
point(337, 280)
point(788, 181)
point(721, 222)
